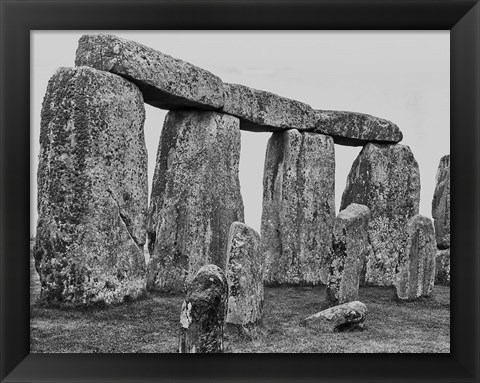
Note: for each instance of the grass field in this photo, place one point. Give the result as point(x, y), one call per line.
point(151, 325)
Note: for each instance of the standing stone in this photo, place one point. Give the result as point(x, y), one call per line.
point(347, 316)
point(442, 267)
point(92, 189)
point(441, 204)
point(203, 312)
point(386, 179)
point(298, 207)
point(244, 274)
point(350, 249)
point(195, 196)
point(416, 275)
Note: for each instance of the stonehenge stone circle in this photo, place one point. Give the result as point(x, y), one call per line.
point(298, 207)
point(442, 267)
point(356, 129)
point(347, 316)
point(350, 249)
point(441, 204)
point(416, 275)
point(244, 272)
point(203, 312)
point(195, 196)
point(386, 179)
point(92, 189)
point(166, 82)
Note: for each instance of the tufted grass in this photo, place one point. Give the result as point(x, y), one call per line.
point(150, 325)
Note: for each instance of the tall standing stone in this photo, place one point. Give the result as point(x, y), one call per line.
point(244, 272)
point(386, 179)
point(442, 267)
point(441, 204)
point(416, 275)
point(92, 189)
point(195, 196)
point(298, 207)
point(203, 312)
point(350, 249)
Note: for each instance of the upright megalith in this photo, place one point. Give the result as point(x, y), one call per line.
point(195, 196)
point(298, 207)
point(203, 312)
point(386, 179)
point(416, 274)
point(441, 204)
point(166, 82)
point(244, 272)
point(442, 267)
point(350, 249)
point(92, 189)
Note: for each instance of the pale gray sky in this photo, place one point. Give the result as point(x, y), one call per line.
point(402, 76)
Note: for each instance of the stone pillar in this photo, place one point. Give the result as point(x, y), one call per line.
point(92, 189)
point(195, 196)
point(416, 274)
point(298, 207)
point(350, 249)
point(244, 272)
point(203, 312)
point(386, 179)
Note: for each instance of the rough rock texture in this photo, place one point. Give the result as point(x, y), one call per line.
point(385, 178)
point(203, 312)
point(338, 318)
point(166, 82)
point(350, 249)
point(298, 207)
point(262, 111)
point(244, 272)
point(442, 267)
point(356, 129)
point(92, 189)
point(195, 196)
point(441, 204)
point(416, 274)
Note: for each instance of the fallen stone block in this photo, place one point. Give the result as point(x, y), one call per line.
point(441, 204)
point(166, 82)
point(195, 196)
point(350, 249)
point(386, 179)
point(92, 189)
point(344, 317)
point(203, 312)
point(416, 274)
point(244, 272)
point(298, 207)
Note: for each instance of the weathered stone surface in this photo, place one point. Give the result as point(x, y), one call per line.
point(92, 189)
point(338, 318)
point(441, 204)
point(262, 111)
point(166, 82)
point(356, 129)
point(350, 249)
point(195, 196)
point(442, 267)
point(298, 207)
point(416, 274)
point(385, 178)
point(244, 272)
point(203, 312)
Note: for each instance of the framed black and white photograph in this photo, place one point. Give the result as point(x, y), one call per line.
point(269, 180)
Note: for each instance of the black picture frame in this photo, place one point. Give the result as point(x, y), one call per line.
point(19, 17)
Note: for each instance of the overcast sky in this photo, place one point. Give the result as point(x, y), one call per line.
point(400, 76)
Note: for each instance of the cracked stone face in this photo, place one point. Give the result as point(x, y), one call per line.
point(298, 207)
point(92, 189)
point(195, 196)
point(441, 204)
point(386, 179)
